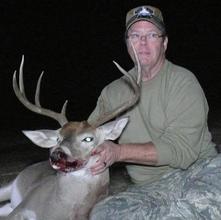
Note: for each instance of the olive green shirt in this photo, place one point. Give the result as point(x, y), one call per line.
point(172, 113)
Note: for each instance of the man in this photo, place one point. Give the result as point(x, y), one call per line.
point(167, 139)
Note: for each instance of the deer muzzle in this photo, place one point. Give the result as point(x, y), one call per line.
point(62, 162)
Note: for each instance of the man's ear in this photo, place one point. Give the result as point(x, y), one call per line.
point(112, 130)
point(43, 138)
point(165, 43)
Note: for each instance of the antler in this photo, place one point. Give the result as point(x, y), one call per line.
point(20, 93)
point(135, 86)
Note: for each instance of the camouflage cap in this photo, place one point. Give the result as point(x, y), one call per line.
point(145, 13)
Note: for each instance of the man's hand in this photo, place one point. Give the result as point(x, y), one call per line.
point(109, 153)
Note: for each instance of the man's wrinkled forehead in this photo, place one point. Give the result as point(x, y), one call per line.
point(145, 26)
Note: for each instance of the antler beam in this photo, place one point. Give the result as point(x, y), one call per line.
point(128, 104)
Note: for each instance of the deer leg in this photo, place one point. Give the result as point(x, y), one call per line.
point(6, 209)
point(5, 192)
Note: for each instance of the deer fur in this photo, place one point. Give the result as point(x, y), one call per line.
point(40, 192)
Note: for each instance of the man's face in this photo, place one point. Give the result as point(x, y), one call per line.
point(148, 43)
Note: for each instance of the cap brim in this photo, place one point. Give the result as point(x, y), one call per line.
point(151, 20)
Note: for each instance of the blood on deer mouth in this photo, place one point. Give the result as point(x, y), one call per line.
point(60, 161)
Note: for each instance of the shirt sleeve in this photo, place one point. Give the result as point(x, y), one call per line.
point(101, 108)
point(112, 96)
point(186, 121)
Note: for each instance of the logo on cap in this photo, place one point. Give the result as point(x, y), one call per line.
point(144, 12)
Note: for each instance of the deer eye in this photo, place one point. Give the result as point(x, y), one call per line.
point(88, 139)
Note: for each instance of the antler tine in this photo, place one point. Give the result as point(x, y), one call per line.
point(132, 81)
point(37, 92)
point(37, 95)
point(63, 110)
point(135, 86)
point(20, 93)
point(21, 84)
point(138, 65)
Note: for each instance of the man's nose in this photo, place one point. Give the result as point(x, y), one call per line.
point(143, 39)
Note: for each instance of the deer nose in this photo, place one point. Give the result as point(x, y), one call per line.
point(58, 154)
point(61, 155)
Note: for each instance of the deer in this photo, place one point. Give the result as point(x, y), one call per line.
point(63, 188)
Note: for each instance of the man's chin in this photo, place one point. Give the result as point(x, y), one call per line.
point(144, 62)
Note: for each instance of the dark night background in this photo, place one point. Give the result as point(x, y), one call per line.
point(74, 42)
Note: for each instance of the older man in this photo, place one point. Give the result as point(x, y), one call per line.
point(167, 141)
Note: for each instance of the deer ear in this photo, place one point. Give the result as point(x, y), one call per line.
point(43, 138)
point(112, 130)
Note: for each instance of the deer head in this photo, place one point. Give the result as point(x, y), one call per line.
point(72, 144)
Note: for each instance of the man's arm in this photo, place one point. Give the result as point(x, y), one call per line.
point(110, 153)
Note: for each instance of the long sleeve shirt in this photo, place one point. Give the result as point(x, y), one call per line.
point(172, 113)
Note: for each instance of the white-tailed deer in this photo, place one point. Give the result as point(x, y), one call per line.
point(63, 188)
